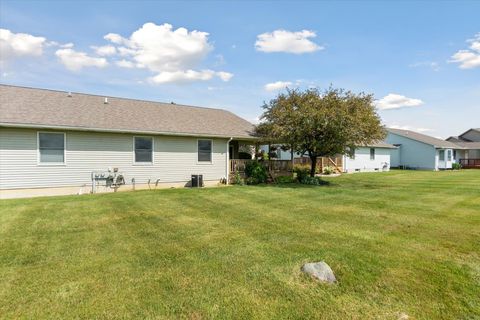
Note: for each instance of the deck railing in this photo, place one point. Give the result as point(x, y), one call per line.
point(238, 165)
point(470, 163)
point(322, 162)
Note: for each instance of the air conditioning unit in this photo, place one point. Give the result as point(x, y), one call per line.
point(197, 180)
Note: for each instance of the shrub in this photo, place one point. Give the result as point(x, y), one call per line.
point(301, 171)
point(237, 179)
point(256, 173)
point(456, 166)
point(314, 181)
point(328, 170)
point(284, 179)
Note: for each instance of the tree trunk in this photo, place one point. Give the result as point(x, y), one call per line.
point(291, 159)
point(313, 161)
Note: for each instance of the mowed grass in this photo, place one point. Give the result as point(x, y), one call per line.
point(402, 242)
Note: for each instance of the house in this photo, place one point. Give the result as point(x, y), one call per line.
point(370, 158)
point(420, 151)
point(55, 142)
point(374, 157)
point(469, 157)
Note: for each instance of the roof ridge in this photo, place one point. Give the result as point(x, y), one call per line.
point(115, 97)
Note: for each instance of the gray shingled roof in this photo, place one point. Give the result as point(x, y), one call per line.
point(439, 143)
point(468, 145)
point(30, 107)
point(382, 144)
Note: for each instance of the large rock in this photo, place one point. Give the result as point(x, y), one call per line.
point(319, 270)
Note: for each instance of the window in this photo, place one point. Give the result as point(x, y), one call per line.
point(143, 149)
point(449, 155)
point(441, 155)
point(51, 148)
point(372, 153)
point(204, 150)
point(454, 154)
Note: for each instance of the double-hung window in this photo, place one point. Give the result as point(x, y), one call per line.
point(449, 155)
point(51, 148)
point(204, 149)
point(372, 153)
point(143, 150)
point(441, 155)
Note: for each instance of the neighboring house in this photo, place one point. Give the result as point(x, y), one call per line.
point(52, 141)
point(420, 151)
point(470, 142)
point(375, 157)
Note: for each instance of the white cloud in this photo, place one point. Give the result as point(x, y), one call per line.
point(429, 64)
point(287, 41)
point(115, 38)
point(188, 76)
point(125, 64)
point(172, 54)
point(279, 85)
point(105, 50)
point(396, 101)
point(469, 58)
point(14, 45)
point(406, 127)
point(75, 60)
point(160, 48)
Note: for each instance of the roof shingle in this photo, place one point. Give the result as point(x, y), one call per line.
point(21, 106)
point(439, 143)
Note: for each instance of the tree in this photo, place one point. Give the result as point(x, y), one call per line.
point(321, 124)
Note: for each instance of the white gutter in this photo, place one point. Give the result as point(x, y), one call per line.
point(227, 168)
point(162, 133)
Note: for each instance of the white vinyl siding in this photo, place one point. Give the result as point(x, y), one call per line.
point(175, 159)
point(362, 161)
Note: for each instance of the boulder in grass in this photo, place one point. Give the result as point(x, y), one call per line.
point(319, 270)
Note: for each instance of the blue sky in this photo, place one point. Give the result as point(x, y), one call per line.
point(421, 60)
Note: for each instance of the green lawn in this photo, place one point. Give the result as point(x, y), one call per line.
point(399, 242)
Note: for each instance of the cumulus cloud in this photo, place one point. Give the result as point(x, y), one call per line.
point(188, 76)
point(469, 58)
point(105, 50)
point(287, 41)
point(278, 85)
point(76, 60)
point(125, 64)
point(397, 101)
point(171, 53)
point(13, 45)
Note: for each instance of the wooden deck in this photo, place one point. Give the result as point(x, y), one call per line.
point(470, 163)
point(284, 167)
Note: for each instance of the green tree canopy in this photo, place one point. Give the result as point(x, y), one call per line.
point(321, 124)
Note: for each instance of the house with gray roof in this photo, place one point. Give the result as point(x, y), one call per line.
point(420, 151)
point(469, 141)
point(56, 142)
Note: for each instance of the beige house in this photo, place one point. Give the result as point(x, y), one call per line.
point(55, 142)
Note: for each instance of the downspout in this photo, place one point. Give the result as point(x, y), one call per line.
point(227, 167)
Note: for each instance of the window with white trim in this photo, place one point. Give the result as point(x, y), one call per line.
point(449, 155)
point(204, 150)
point(441, 155)
point(51, 148)
point(143, 149)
